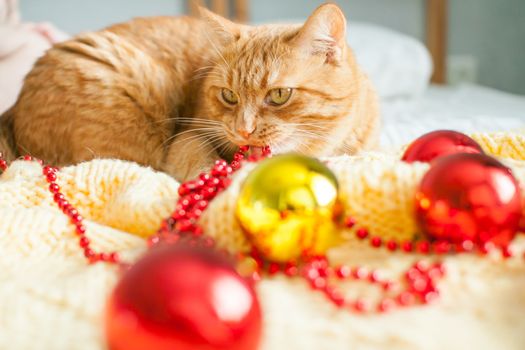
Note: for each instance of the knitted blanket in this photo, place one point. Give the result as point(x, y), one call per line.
point(51, 298)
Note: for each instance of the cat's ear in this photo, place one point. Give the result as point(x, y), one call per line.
point(224, 30)
point(324, 33)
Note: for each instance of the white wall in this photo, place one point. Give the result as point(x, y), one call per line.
point(79, 15)
point(492, 31)
point(74, 16)
point(402, 15)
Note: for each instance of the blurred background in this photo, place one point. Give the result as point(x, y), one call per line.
point(485, 40)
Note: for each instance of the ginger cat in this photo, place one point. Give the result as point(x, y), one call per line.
point(177, 93)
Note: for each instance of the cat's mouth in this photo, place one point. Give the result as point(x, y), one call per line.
point(250, 143)
point(255, 144)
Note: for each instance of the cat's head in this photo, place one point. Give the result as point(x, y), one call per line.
point(287, 86)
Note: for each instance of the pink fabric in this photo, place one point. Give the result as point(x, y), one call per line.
point(21, 43)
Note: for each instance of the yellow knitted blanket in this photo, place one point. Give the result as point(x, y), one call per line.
point(50, 298)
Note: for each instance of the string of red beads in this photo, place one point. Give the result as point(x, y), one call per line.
point(194, 198)
point(3, 162)
point(417, 286)
point(70, 211)
point(423, 246)
point(76, 219)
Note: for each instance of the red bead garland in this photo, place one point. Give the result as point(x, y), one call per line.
point(195, 196)
point(420, 285)
point(69, 210)
point(75, 218)
point(422, 246)
point(3, 162)
point(419, 281)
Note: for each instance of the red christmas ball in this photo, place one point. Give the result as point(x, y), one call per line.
point(180, 299)
point(469, 197)
point(439, 143)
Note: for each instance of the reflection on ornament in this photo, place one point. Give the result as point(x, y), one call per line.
point(469, 197)
point(288, 206)
point(439, 143)
point(183, 299)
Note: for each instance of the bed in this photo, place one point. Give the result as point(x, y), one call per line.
point(466, 108)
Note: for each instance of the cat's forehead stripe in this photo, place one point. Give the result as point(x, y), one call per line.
point(257, 63)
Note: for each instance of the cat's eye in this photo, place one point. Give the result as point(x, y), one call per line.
point(278, 96)
point(229, 96)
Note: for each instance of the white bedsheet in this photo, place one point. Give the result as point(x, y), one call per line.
point(467, 108)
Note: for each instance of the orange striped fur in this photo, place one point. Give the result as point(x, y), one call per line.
point(149, 91)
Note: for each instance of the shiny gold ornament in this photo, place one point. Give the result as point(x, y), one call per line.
point(288, 207)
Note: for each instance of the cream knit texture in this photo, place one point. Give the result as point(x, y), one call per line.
point(50, 298)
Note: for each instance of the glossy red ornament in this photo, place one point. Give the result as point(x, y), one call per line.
point(440, 143)
point(182, 299)
point(469, 197)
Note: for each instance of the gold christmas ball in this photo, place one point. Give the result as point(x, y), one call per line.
point(289, 207)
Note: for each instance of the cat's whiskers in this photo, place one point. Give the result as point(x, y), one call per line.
point(211, 143)
point(304, 136)
point(91, 151)
point(206, 74)
point(312, 136)
point(208, 132)
point(198, 124)
point(209, 69)
point(300, 145)
point(319, 132)
point(311, 128)
point(201, 121)
point(274, 146)
point(199, 135)
point(184, 120)
point(230, 147)
point(304, 120)
point(203, 68)
point(317, 137)
point(204, 128)
point(194, 117)
point(224, 142)
point(202, 139)
point(201, 130)
point(217, 51)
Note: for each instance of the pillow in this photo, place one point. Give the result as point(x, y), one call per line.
point(397, 64)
